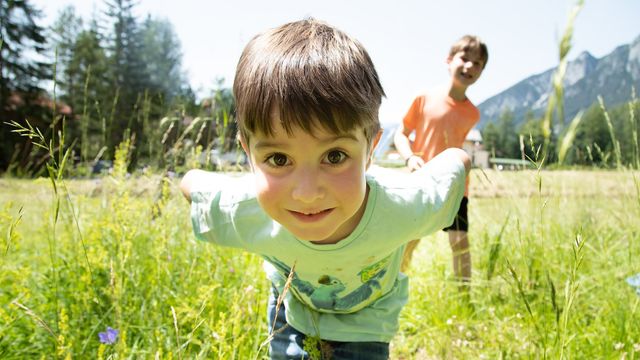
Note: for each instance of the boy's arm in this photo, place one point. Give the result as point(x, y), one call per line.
point(193, 178)
point(463, 156)
point(403, 145)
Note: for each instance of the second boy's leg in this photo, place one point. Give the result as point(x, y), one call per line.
point(459, 242)
point(408, 254)
point(461, 256)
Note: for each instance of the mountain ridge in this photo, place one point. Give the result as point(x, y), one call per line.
point(611, 76)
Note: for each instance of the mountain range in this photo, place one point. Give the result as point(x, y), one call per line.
point(611, 76)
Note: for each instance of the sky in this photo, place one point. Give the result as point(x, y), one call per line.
point(408, 40)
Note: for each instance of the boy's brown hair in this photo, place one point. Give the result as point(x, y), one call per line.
point(470, 43)
point(313, 74)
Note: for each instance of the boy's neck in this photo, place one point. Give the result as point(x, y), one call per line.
point(458, 93)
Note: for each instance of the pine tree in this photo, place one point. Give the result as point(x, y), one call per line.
point(162, 57)
point(65, 32)
point(22, 43)
point(127, 72)
point(88, 71)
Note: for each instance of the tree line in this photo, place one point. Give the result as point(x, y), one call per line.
point(604, 137)
point(116, 77)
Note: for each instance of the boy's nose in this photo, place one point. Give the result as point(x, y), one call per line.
point(307, 187)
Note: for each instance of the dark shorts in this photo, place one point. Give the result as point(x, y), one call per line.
point(461, 222)
point(288, 343)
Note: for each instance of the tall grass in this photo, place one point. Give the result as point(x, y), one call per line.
point(556, 288)
point(614, 141)
point(556, 100)
point(140, 273)
point(634, 128)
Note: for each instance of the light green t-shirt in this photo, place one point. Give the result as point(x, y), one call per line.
point(352, 290)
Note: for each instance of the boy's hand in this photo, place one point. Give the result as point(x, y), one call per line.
point(414, 162)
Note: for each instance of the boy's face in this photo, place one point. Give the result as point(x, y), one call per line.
point(312, 185)
point(466, 67)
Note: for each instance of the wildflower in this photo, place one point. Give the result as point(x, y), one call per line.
point(634, 281)
point(618, 346)
point(109, 337)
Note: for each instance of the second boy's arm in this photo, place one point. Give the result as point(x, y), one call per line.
point(403, 145)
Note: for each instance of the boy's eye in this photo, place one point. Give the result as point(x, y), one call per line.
point(278, 160)
point(335, 157)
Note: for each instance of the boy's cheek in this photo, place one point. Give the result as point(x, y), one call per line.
point(351, 182)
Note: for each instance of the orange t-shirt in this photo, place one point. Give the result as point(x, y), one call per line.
point(439, 122)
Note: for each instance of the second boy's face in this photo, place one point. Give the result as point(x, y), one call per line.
point(312, 185)
point(466, 67)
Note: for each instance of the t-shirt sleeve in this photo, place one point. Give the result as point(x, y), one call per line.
point(414, 114)
point(215, 211)
point(442, 187)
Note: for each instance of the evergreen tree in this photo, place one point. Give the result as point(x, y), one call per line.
point(65, 31)
point(89, 76)
point(162, 57)
point(22, 44)
point(532, 136)
point(501, 138)
point(491, 138)
point(127, 72)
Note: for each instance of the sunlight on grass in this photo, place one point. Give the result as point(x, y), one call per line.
point(171, 296)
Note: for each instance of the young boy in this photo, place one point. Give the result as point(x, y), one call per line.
point(307, 99)
point(441, 119)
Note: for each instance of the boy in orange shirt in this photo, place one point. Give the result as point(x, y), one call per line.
point(441, 119)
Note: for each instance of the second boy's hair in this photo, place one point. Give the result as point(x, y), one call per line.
point(313, 75)
point(473, 43)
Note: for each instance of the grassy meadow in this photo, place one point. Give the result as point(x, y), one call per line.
point(551, 251)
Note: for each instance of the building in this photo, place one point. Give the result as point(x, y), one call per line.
point(473, 146)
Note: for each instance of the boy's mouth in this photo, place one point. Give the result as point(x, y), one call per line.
point(310, 215)
point(466, 76)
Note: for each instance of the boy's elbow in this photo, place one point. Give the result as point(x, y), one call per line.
point(399, 135)
point(187, 183)
point(466, 160)
point(463, 156)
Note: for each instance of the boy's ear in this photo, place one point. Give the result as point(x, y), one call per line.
point(374, 144)
point(245, 148)
point(243, 143)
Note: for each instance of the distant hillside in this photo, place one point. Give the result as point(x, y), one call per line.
point(611, 76)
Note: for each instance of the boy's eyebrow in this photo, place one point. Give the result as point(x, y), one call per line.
point(268, 143)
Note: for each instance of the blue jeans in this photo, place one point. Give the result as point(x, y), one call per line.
point(288, 343)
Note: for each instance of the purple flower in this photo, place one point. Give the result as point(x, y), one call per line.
point(634, 281)
point(109, 337)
